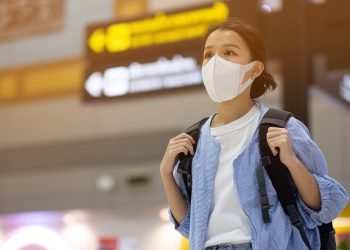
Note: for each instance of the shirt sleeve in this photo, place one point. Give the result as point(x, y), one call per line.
point(184, 226)
point(333, 196)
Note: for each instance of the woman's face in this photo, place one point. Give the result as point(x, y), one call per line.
point(227, 44)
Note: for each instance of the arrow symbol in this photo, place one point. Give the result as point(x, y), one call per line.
point(97, 41)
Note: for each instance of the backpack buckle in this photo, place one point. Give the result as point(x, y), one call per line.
point(264, 201)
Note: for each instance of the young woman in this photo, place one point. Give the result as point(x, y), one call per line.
point(224, 212)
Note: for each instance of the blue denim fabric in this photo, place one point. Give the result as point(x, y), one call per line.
point(244, 246)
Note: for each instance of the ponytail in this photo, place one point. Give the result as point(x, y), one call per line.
point(261, 84)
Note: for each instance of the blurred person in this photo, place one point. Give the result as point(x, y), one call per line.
point(224, 211)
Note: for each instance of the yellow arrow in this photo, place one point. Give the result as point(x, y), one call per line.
point(97, 41)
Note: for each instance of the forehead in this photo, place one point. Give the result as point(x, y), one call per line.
point(220, 37)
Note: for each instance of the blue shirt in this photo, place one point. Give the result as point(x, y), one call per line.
point(279, 233)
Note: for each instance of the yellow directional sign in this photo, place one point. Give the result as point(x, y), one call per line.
point(161, 28)
point(150, 53)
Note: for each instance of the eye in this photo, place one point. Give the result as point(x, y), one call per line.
point(230, 53)
point(208, 55)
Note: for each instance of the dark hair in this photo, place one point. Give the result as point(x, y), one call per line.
point(257, 50)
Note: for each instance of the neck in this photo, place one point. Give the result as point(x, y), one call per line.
point(232, 110)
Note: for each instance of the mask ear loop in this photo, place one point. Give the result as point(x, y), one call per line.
point(242, 72)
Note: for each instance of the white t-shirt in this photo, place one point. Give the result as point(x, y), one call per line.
point(228, 223)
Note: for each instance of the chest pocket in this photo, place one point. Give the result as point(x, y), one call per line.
point(202, 177)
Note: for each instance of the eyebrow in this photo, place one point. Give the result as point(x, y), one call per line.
point(224, 45)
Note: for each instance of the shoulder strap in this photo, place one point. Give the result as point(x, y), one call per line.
point(327, 236)
point(185, 164)
point(277, 171)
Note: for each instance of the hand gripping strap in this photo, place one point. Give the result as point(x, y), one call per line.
point(277, 171)
point(185, 164)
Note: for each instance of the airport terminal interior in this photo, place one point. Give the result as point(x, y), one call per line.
point(91, 91)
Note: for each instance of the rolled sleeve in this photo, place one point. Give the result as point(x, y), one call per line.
point(333, 201)
point(184, 226)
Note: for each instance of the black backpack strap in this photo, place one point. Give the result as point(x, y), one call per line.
point(327, 236)
point(264, 199)
point(278, 172)
point(185, 164)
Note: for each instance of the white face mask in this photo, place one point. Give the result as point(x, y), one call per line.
point(223, 79)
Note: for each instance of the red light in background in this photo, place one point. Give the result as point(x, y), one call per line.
point(108, 243)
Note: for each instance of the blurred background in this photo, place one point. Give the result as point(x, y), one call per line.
point(92, 90)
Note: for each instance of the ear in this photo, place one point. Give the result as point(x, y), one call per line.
point(258, 69)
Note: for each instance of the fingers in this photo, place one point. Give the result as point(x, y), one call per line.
point(281, 138)
point(182, 136)
point(274, 129)
point(274, 147)
point(182, 143)
point(277, 138)
point(182, 146)
point(273, 132)
point(174, 152)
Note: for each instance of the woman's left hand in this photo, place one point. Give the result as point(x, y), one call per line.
point(279, 142)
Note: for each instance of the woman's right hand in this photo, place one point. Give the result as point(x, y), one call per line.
point(182, 143)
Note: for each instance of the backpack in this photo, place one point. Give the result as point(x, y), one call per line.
point(279, 175)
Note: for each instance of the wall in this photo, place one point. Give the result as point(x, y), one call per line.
point(330, 123)
point(62, 44)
